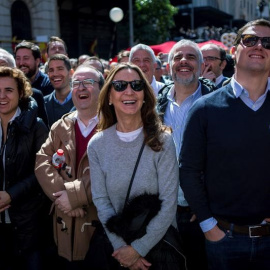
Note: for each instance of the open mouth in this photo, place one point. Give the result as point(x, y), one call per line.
point(127, 102)
point(23, 68)
point(256, 56)
point(57, 80)
point(83, 96)
point(3, 102)
point(184, 69)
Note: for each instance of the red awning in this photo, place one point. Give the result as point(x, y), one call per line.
point(164, 47)
point(219, 43)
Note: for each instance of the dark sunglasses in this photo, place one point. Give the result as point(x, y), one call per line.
point(252, 40)
point(120, 86)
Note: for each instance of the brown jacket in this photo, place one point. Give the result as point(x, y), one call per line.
point(74, 242)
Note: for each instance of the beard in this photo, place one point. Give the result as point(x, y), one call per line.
point(31, 71)
point(187, 81)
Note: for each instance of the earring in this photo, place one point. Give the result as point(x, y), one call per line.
point(144, 101)
point(110, 103)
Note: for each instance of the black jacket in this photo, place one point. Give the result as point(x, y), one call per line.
point(162, 101)
point(38, 96)
point(26, 134)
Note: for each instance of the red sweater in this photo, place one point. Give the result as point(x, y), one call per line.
point(81, 143)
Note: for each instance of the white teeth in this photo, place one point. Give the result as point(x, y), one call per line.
point(129, 102)
point(3, 103)
point(83, 96)
point(256, 56)
point(184, 69)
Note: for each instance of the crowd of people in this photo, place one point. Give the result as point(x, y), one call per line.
point(206, 33)
point(164, 163)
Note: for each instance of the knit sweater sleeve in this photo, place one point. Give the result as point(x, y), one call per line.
point(192, 161)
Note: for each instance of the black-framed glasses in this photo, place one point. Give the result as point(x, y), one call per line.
point(211, 59)
point(120, 86)
point(251, 40)
point(87, 83)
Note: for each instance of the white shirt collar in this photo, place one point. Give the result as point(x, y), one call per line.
point(219, 79)
point(85, 130)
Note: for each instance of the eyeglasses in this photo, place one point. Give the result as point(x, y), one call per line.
point(251, 40)
point(87, 83)
point(211, 58)
point(120, 86)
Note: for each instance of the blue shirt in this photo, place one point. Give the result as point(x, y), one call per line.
point(69, 96)
point(175, 116)
point(239, 92)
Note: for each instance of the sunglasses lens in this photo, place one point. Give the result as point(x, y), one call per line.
point(137, 85)
point(249, 40)
point(119, 86)
point(266, 43)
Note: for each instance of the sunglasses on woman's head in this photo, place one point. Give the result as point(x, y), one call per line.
point(120, 86)
point(251, 40)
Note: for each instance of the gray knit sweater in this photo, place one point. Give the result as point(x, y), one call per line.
point(111, 165)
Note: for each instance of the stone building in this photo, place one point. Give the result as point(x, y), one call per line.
point(83, 24)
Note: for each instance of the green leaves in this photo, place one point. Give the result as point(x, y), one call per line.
point(153, 19)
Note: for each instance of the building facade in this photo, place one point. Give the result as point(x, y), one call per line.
point(87, 29)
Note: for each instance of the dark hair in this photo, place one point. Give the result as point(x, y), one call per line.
point(62, 57)
point(24, 87)
point(259, 22)
point(100, 75)
point(94, 58)
point(54, 39)
point(152, 125)
point(31, 46)
point(222, 53)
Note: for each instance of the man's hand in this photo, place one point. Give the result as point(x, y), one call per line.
point(62, 201)
point(5, 199)
point(78, 212)
point(214, 234)
point(209, 74)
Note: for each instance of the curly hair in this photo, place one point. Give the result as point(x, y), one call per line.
point(24, 87)
point(152, 125)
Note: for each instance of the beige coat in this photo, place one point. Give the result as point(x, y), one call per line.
point(73, 243)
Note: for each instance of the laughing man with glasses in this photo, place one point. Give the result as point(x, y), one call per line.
point(215, 61)
point(70, 193)
point(225, 157)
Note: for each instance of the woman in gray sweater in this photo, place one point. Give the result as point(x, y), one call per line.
point(127, 119)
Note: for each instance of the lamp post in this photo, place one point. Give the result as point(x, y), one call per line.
point(116, 15)
point(131, 34)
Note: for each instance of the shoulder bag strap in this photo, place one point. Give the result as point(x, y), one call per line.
point(134, 172)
